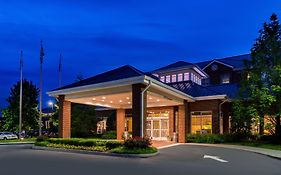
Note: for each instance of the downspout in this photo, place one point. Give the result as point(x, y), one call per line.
point(142, 106)
point(220, 113)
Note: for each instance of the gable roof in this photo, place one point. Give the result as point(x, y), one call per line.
point(237, 62)
point(123, 72)
point(178, 64)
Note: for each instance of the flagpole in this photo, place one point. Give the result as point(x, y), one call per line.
point(20, 114)
point(41, 84)
point(60, 73)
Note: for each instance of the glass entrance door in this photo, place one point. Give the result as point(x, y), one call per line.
point(157, 128)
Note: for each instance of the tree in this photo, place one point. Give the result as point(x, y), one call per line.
point(83, 120)
point(263, 80)
point(243, 118)
point(29, 107)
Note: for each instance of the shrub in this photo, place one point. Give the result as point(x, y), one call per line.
point(137, 142)
point(112, 144)
point(109, 135)
point(86, 142)
point(41, 138)
point(212, 138)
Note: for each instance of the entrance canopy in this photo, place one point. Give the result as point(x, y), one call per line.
point(113, 89)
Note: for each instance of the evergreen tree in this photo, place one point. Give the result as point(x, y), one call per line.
point(29, 107)
point(263, 80)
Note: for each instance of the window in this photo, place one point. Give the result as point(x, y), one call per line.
point(186, 76)
point(162, 78)
point(168, 79)
point(192, 77)
point(199, 81)
point(225, 78)
point(174, 78)
point(180, 77)
point(201, 122)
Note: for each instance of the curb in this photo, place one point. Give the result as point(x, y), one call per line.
point(243, 148)
point(16, 143)
point(95, 152)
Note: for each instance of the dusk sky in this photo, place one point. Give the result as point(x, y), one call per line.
point(98, 35)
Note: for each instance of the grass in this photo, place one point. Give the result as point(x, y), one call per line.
point(123, 150)
point(258, 145)
point(18, 140)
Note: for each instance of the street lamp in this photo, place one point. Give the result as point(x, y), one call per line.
point(51, 104)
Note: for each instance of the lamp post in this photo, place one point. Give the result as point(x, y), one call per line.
point(51, 104)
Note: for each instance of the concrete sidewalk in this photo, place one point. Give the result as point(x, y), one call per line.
point(267, 152)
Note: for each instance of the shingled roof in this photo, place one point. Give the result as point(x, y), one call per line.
point(123, 72)
point(237, 62)
point(194, 89)
point(178, 64)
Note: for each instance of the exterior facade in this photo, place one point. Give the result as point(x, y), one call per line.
point(164, 104)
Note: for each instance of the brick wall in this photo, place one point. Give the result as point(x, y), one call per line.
point(208, 105)
point(182, 123)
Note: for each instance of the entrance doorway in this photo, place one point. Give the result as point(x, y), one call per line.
point(157, 126)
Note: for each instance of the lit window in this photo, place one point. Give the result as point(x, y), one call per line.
point(168, 79)
point(192, 77)
point(174, 78)
point(199, 81)
point(179, 77)
point(162, 78)
point(225, 78)
point(201, 122)
point(186, 76)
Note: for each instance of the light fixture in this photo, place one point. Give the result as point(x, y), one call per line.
point(150, 98)
point(111, 102)
point(102, 100)
point(157, 100)
point(89, 103)
point(94, 98)
point(103, 97)
point(129, 102)
point(127, 98)
point(120, 101)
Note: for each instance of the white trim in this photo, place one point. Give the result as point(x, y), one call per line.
point(211, 97)
point(174, 91)
point(109, 84)
point(219, 63)
point(202, 73)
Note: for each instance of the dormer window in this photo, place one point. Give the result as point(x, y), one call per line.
point(174, 78)
point(168, 79)
point(225, 78)
point(180, 77)
point(186, 76)
point(162, 78)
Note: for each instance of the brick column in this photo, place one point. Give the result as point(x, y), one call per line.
point(216, 120)
point(136, 108)
point(182, 122)
point(120, 123)
point(64, 117)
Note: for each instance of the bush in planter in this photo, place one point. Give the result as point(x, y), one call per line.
point(137, 142)
point(41, 138)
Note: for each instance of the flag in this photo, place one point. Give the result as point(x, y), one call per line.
point(21, 60)
point(60, 64)
point(41, 53)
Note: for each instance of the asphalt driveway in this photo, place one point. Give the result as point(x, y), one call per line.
point(182, 159)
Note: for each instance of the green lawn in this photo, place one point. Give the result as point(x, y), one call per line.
point(259, 145)
point(18, 140)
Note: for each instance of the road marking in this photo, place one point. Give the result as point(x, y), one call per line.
point(215, 158)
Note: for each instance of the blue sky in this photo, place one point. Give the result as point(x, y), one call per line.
point(96, 36)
